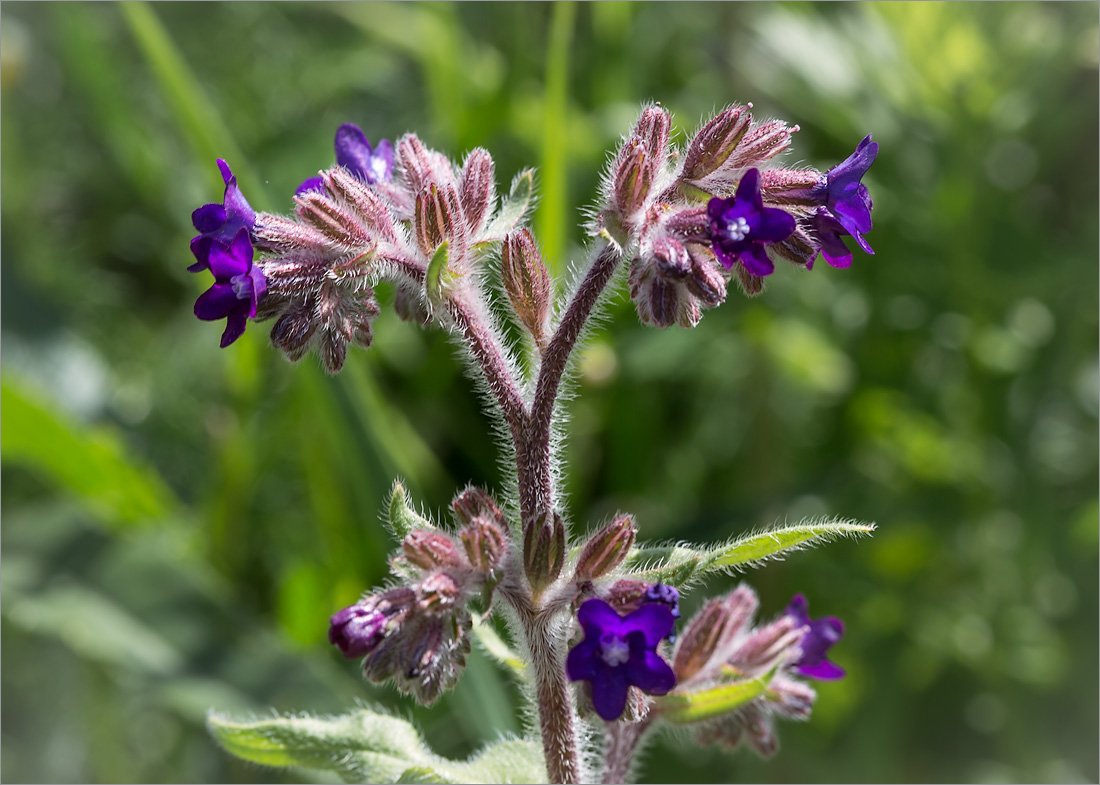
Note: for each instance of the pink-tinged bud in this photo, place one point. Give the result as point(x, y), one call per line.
point(627, 595)
point(687, 223)
point(478, 189)
point(438, 218)
point(672, 258)
point(761, 144)
point(792, 698)
point(607, 549)
point(343, 314)
point(334, 220)
point(633, 179)
point(278, 233)
point(474, 504)
point(485, 545)
point(422, 167)
point(750, 724)
point(430, 550)
point(543, 550)
point(526, 281)
point(295, 277)
point(360, 628)
point(652, 130)
point(375, 216)
point(715, 141)
point(751, 285)
point(439, 593)
point(294, 330)
point(706, 280)
point(659, 300)
point(797, 248)
point(784, 187)
point(706, 643)
point(767, 646)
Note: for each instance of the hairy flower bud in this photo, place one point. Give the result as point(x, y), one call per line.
point(294, 330)
point(793, 187)
point(358, 629)
point(478, 190)
point(715, 141)
point(797, 248)
point(438, 218)
point(526, 281)
point(761, 144)
point(474, 504)
point(409, 305)
point(661, 301)
point(652, 129)
point(485, 546)
point(706, 280)
point(767, 646)
point(607, 549)
point(543, 550)
point(430, 550)
point(705, 644)
point(422, 167)
point(439, 593)
point(354, 191)
point(343, 226)
point(627, 595)
point(633, 179)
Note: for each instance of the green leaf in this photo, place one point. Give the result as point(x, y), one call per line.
point(369, 746)
point(496, 648)
point(520, 200)
point(92, 464)
point(403, 518)
point(677, 565)
point(681, 708)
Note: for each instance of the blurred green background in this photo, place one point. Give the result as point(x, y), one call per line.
point(180, 521)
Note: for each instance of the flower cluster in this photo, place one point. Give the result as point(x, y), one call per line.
point(720, 208)
point(720, 644)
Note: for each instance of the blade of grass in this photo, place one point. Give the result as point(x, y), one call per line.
point(553, 170)
point(203, 126)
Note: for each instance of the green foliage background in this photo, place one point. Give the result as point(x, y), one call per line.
point(180, 521)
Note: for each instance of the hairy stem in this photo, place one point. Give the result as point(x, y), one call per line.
point(619, 746)
point(485, 346)
point(535, 486)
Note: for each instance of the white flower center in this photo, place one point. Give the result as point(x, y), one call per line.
point(614, 650)
point(738, 230)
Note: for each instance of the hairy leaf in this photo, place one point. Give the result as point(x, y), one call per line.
point(403, 518)
point(369, 746)
point(683, 707)
point(520, 200)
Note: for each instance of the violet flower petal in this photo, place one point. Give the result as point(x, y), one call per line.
point(653, 620)
point(310, 184)
point(609, 691)
point(236, 321)
point(216, 302)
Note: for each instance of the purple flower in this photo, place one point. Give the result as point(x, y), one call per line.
point(820, 636)
point(829, 232)
point(354, 153)
point(238, 286)
point(845, 196)
point(220, 222)
point(619, 652)
point(741, 226)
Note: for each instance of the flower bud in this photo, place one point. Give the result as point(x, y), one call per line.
point(358, 629)
point(661, 301)
point(805, 187)
point(767, 646)
point(673, 261)
point(278, 233)
point(439, 593)
point(761, 144)
point(797, 248)
point(430, 550)
point(705, 644)
point(473, 504)
point(715, 141)
point(293, 331)
point(422, 167)
point(627, 595)
point(485, 545)
point(410, 307)
point(633, 179)
point(543, 550)
point(607, 549)
point(334, 220)
point(706, 280)
point(438, 218)
point(344, 185)
point(652, 130)
point(526, 282)
point(478, 190)
point(751, 285)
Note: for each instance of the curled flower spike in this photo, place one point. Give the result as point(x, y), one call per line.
point(220, 222)
point(238, 286)
point(819, 638)
point(740, 227)
point(619, 652)
point(354, 153)
point(846, 197)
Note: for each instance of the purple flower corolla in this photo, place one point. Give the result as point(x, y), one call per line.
point(238, 286)
point(619, 652)
point(829, 231)
point(357, 630)
point(821, 634)
point(220, 223)
point(741, 226)
point(354, 153)
point(846, 197)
